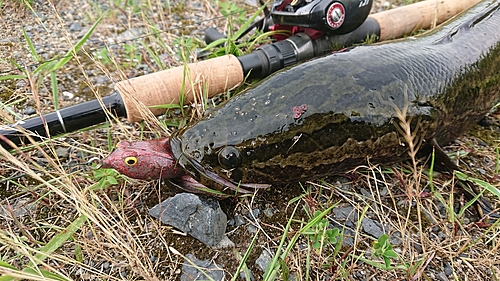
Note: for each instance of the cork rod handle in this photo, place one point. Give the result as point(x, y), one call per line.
point(422, 15)
point(204, 78)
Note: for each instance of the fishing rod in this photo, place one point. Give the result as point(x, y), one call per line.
point(339, 23)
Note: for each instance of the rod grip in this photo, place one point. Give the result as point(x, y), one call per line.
point(205, 78)
point(404, 20)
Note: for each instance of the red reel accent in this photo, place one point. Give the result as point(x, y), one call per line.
point(312, 33)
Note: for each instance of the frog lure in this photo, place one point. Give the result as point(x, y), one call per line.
point(332, 114)
point(153, 159)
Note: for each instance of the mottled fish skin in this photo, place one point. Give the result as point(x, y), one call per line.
point(149, 159)
point(332, 114)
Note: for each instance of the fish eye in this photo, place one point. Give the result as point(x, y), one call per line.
point(229, 157)
point(131, 161)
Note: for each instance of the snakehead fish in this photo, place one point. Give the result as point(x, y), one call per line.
point(332, 114)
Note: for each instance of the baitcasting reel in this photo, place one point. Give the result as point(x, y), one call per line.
point(310, 25)
point(313, 17)
point(319, 17)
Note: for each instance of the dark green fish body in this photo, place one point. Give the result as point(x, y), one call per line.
point(332, 114)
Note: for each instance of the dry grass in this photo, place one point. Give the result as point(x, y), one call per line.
point(56, 218)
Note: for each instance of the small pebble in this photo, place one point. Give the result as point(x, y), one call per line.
point(105, 265)
point(67, 95)
point(448, 270)
point(74, 27)
point(251, 229)
point(269, 212)
point(62, 152)
point(29, 110)
point(254, 214)
point(441, 276)
point(263, 260)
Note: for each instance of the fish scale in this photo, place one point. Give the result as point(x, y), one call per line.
point(447, 80)
point(333, 114)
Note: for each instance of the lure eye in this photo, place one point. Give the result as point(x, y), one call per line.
point(229, 157)
point(131, 161)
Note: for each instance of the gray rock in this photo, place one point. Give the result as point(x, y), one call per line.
point(348, 238)
point(269, 212)
point(243, 275)
point(251, 229)
point(346, 213)
point(74, 27)
point(342, 183)
point(129, 34)
point(190, 272)
point(254, 214)
point(239, 220)
point(396, 239)
point(448, 270)
point(372, 227)
point(29, 110)
point(200, 217)
point(18, 209)
point(441, 276)
point(62, 152)
point(264, 259)
point(101, 80)
point(365, 192)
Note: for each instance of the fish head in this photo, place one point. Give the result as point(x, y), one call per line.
point(239, 145)
point(151, 159)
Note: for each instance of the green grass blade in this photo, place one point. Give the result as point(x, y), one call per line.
point(167, 106)
point(58, 240)
point(243, 261)
point(31, 46)
point(479, 182)
point(273, 267)
point(76, 48)
point(153, 55)
point(247, 23)
point(55, 89)
point(45, 274)
point(12, 77)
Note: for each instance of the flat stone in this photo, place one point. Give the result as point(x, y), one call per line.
point(29, 110)
point(19, 209)
point(346, 213)
point(372, 227)
point(75, 26)
point(200, 217)
point(62, 152)
point(129, 34)
point(207, 267)
point(269, 212)
point(264, 259)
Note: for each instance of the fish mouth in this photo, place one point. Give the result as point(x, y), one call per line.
point(205, 181)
